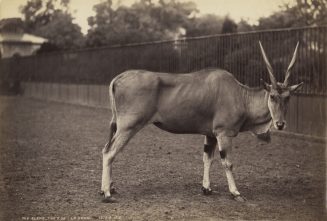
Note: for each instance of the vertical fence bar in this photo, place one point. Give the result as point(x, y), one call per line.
point(250, 58)
point(311, 66)
point(324, 54)
point(220, 64)
point(321, 61)
point(317, 58)
point(305, 56)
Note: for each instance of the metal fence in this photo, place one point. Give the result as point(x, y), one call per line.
point(238, 53)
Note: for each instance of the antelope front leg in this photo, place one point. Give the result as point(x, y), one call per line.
point(225, 147)
point(208, 156)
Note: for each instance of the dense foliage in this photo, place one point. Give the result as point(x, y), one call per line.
point(146, 20)
point(51, 19)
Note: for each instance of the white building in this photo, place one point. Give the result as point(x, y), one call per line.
point(13, 40)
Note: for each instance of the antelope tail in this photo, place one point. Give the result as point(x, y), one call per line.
point(112, 100)
point(113, 122)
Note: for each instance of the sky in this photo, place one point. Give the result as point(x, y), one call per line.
point(250, 10)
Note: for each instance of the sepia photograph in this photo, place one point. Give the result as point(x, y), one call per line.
point(154, 110)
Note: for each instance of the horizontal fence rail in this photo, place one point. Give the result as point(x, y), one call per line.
point(238, 53)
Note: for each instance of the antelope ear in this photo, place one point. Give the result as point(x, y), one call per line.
point(265, 85)
point(295, 87)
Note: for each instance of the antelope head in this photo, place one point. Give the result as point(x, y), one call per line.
point(279, 93)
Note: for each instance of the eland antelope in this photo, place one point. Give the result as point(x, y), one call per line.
point(209, 102)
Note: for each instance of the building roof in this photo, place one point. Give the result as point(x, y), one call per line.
point(21, 38)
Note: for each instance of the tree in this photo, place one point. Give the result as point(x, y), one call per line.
point(148, 21)
point(229, 26)
point(51, 19)
point(303, 13)
point(207, 24)
point(143, 21)
point(244, 26)
point(309, 12)
point(281, 19)
point(12, 25)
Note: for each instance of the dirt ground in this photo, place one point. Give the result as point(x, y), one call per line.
point(50, 157)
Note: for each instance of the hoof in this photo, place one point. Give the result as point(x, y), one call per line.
point(108, 199)
point(239, 198)
point(206, 191)
point(113, 191)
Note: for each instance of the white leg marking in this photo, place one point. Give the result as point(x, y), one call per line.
point(208, 157)
point(225, 147)
point(207, 161)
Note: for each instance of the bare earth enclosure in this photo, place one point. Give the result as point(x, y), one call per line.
point(50, 158)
